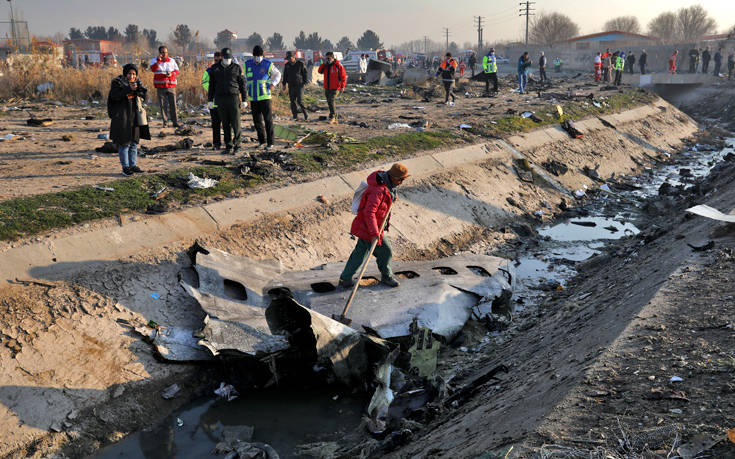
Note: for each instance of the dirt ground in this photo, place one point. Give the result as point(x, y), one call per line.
point(63, 156)
point(74, 376)
point(596, 364)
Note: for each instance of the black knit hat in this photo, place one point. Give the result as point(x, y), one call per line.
point(128, 67)
point(226, 53)
point(257, 51)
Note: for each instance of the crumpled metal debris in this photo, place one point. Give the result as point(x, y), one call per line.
point(226, 391)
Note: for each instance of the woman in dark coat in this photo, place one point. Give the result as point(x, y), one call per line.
point(123, 104)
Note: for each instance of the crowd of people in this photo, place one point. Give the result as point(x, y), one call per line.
point(229, 86)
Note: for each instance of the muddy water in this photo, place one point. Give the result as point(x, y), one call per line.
point(283, 418)
point(286, 418)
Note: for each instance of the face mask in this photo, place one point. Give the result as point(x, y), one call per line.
point(258, 59)
point(227, 61)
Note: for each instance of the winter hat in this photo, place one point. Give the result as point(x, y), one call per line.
point(129, 67)
point(398, 171)
point(289, 54)
point(226, 53)
point(257, 51)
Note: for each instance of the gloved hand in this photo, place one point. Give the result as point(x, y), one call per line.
point(210, 105)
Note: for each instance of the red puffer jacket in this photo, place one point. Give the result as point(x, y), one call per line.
point(376, 200)
point(335, 76)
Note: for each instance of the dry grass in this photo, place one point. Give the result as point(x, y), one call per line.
point(72, 85)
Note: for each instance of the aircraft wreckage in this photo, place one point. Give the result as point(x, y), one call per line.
point(282, 319)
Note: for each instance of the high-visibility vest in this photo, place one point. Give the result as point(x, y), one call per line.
point(448, 63)
point(489, 64)
point(205, 82)
point(619, 63)
point(258, 79)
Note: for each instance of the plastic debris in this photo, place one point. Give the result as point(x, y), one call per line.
point(226, 391)
point(179, 422)
point(676, 379)
point(394, 126)
point(579, 193)
point(526, 114)
point(103, 188)
point(158, 193)
point(8, 137)
point(155, 296)
point(171, 391)
point(44, 87)
point(103, 136)
point(465, 126)
point(676, 411)
point(200, 183)
point(597, 104)
point(605, 187)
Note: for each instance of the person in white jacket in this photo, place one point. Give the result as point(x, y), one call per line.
point(165, 71)
point(363, 66)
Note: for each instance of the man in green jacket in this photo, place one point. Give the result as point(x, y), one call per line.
point(213, 113)
point(619, 66)
point(490, 70)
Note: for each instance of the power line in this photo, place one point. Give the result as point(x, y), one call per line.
point(478, 20)
point(527, 12)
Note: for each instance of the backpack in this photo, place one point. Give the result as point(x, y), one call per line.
point(357, 197)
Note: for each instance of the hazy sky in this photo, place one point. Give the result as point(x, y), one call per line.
point(395, 21)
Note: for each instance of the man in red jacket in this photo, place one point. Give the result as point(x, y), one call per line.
point(374, 206)
point(335, 80)
point(164, 71)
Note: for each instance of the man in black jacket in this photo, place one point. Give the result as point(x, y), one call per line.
point(642, 61)
point(706, 56)
point(226, 88)
point(294, 75)
point(447, 69)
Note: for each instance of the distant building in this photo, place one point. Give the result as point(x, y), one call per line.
point(709, 39)
point(91, 52)
point(229, 37)
point(611, 39)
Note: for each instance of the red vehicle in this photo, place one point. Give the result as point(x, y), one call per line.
point(279, 57)
point(385, 55)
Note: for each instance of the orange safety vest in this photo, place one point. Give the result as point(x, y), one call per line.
point(446, 63)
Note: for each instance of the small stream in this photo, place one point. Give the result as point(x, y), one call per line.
point(285, 418)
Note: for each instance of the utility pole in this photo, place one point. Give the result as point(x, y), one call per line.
point(446, 34)
point(12, 26)
point(426, 45)
point(479, 19)
point(527, 11)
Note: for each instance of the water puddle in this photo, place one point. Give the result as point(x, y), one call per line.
point(282, 418)
point(688, 166)
point(589, 229)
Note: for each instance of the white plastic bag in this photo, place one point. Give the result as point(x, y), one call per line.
point(357, 197)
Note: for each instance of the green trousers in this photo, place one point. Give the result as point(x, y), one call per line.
point(383, 254)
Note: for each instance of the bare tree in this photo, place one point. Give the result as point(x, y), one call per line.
point(665, 26)
point(547, 29)
point(694, 22)
point(624, 24)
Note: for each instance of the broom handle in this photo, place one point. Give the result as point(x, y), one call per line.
point(365, 263)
